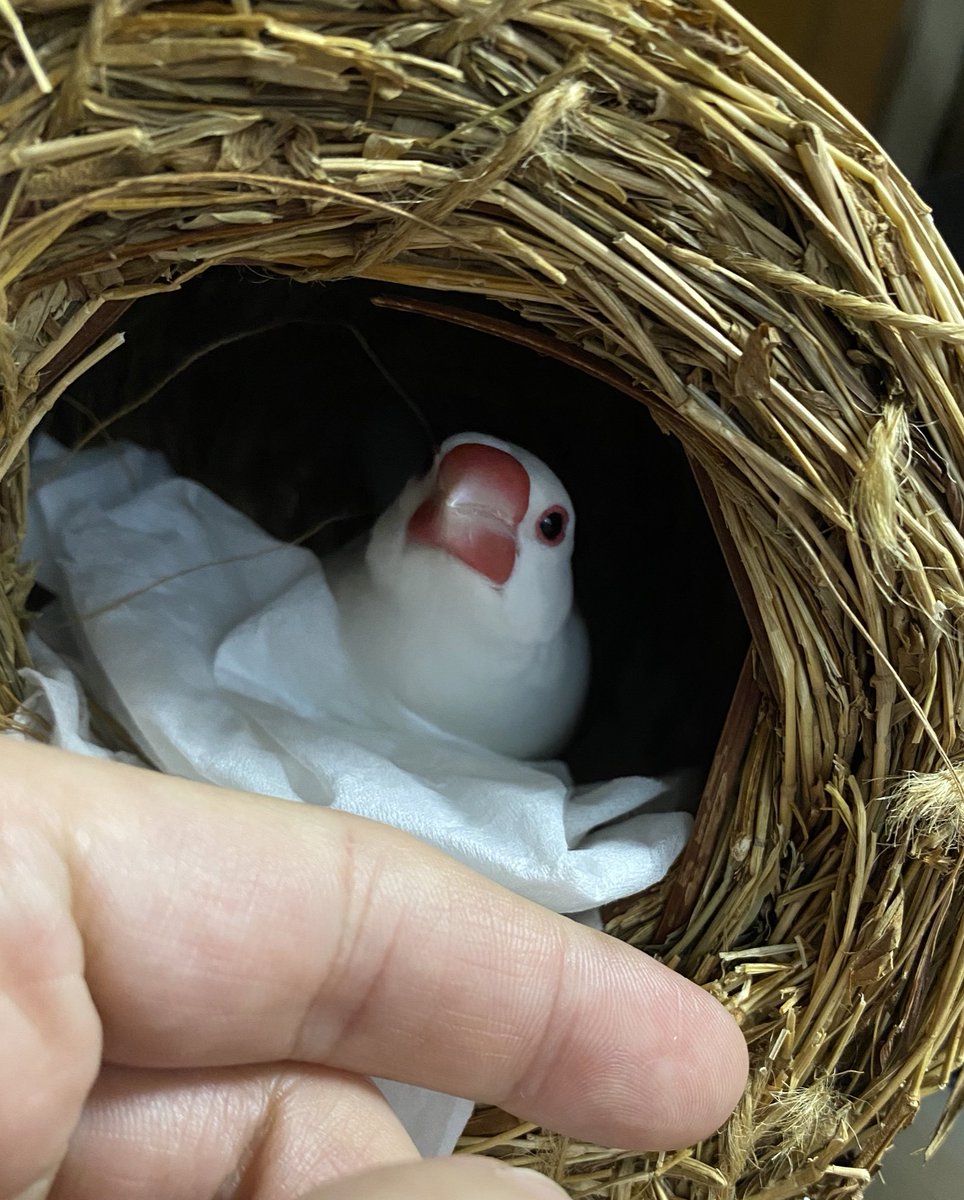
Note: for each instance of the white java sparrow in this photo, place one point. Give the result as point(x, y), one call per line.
point(461, 604)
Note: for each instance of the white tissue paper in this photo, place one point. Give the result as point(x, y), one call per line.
point(217, 647)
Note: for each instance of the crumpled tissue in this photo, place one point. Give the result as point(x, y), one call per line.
point(217, 647)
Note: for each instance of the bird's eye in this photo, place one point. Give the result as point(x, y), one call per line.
point(551, 526)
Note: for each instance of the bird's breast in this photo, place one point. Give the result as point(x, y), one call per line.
point(518, 698)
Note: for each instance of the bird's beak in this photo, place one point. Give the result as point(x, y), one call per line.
point(480, 496)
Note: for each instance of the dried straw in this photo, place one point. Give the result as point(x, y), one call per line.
point(683, 211)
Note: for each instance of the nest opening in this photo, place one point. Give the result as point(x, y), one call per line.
point(307, 406)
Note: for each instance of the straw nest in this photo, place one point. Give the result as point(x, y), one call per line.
point(679, 209)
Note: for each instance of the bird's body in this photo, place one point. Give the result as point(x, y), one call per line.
point(460, 605)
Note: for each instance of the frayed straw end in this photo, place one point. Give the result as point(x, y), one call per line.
point(799, 1122)
point(927, 811)
point(877, 488)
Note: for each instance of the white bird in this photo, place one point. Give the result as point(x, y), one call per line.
point(460, 606)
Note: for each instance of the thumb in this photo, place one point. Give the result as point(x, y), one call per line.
point(468, 1177)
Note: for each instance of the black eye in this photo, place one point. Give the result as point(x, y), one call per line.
point(551, 526)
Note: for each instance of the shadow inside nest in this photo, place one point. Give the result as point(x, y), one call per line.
point(307, 408)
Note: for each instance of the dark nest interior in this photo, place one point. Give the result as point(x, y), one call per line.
point(307, 407)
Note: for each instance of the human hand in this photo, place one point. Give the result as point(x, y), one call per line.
point(194, 984)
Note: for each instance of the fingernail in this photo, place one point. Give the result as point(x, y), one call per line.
point(531, 1183)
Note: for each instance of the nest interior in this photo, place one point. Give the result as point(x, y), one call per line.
point(309, 406)
point(670, 204)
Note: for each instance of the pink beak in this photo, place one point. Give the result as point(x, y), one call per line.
point(481, 495)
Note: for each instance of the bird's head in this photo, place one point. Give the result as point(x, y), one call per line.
point(489, 527)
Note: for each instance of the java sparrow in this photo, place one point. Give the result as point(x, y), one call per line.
point(460, 605)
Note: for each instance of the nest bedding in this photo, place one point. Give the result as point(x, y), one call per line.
point(219, 651)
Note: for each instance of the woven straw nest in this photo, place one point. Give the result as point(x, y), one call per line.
point(680, 210)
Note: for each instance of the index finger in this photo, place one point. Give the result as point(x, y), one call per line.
point(221, 928)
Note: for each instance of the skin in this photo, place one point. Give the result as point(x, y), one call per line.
point(195, 983)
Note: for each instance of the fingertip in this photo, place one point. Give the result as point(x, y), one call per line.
point(643, 1058)
point(701, 1073)
point(699, 1062)
point(731, 1057)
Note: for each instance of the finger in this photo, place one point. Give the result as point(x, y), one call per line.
point(259, 1132)
point(442, 1179)
point(50, 1035)
point(222, 928)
